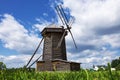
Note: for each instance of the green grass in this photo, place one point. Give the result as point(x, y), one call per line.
point(83, 74)
point(15, 74)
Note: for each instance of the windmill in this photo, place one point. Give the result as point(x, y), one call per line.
point(54, 47)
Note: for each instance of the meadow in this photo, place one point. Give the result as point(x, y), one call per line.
point(83, 74)
point(18, 74)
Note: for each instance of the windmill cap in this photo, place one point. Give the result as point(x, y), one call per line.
point(52, 28)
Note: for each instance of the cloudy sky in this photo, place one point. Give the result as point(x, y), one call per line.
point(96, 29)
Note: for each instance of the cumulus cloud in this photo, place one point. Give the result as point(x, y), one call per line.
point(89, 57)
point(41, 24)
point(15, 61)
point(16, 37)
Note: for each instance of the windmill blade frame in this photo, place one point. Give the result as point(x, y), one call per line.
point(71, 21)
point(57, 9)
point(34, 52)
point(73, 39)
point(62, 14)
point(35, 61)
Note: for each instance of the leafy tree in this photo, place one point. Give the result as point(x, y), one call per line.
point(101, 69)
point(118, 67)
point(2, 66)
point(116, 64)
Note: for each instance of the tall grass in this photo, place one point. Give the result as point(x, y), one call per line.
point(19, 74)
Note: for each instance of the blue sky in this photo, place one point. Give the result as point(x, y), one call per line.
point(96, 29)
point(27, 11)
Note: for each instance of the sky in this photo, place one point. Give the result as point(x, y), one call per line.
point(96, 30)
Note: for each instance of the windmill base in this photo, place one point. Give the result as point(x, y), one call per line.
point(57, 65)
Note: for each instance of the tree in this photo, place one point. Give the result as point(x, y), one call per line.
point(118, 67)
point(2, 66)
point(116, 64)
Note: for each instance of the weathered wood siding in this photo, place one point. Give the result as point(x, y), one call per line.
point(75, 66)
point(51, 40)
point(57, 65)
point(47, 51)
point(60, 52)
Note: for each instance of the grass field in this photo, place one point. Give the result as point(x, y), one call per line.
point(83, 74)
point(14, 74)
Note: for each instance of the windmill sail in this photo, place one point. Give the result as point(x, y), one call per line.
point(35, 61)
point(68, 25)
point(34, 53)
point(59, 15)
point(63, 14)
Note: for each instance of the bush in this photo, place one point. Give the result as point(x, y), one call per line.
point(2, 66)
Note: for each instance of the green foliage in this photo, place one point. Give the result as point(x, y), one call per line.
point(83, 74)
point(116, 64)
point(118, 67)
point(101, 69)
point(2, 66)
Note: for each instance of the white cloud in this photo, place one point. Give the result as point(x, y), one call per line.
point(45, 14)
point(17, 60)
point(16, 37)
point(94, 12)
point(88, 58)
point(113, 39)
point(41, 24)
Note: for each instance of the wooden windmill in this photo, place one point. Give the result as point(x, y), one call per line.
point(54, 49)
